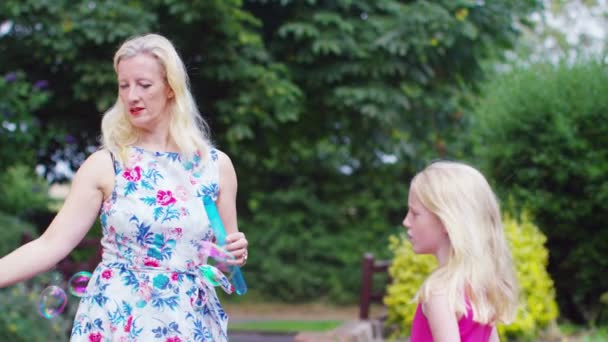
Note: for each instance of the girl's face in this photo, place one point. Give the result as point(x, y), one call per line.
point(144, 92)
point(424, 229)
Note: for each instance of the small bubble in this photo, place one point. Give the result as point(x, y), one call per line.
point(52, 302)
point(77, 284)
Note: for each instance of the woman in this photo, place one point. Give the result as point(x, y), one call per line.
point(147, 183)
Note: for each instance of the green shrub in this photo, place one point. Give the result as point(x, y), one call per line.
point(11, 230)
point(542, 133)
point(23, 192)
point(20, 320)
point(408, 272)
point(537, 295)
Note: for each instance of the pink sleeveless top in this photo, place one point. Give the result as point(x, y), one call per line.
point(470, 331)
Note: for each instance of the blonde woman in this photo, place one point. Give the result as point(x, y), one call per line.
point(146, 185)
point(453, 214)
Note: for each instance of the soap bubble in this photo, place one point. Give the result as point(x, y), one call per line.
point(77, 284)
point(52, 302)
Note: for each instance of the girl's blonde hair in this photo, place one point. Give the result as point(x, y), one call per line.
point(187, 128)
point(480, 265)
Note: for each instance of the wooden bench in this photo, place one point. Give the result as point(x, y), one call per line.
point(368, 294)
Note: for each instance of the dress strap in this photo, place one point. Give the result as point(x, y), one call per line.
point(113, 161)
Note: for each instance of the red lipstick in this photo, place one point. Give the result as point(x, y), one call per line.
point(135, 110)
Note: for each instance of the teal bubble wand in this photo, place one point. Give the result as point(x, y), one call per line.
point(220, 236)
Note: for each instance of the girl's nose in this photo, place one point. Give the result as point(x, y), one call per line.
point(405, 222)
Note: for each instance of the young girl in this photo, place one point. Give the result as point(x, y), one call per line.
point(453, 214)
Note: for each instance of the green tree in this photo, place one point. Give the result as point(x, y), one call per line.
point(326, 107)
point(542, 134)
point(20, 131)
point(72, 47)
point(382, 84)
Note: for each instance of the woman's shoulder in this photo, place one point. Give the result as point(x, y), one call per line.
point(96, 171)
point(101, 158)
point(218, 156)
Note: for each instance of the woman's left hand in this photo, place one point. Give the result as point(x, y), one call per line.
point(236, 243)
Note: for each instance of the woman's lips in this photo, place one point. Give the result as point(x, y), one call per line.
point(136, 110)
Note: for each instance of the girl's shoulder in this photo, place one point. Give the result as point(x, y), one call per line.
point(435, 300)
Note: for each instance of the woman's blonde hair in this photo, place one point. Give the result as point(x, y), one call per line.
point(187, 128)
point(480, 265)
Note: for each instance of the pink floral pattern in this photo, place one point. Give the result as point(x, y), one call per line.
point(165, 197)
point(148, 286)
point(132, 175)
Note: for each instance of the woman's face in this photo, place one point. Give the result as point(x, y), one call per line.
point(143, 91)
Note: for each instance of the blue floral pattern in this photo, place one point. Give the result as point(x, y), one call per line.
point(149, 285)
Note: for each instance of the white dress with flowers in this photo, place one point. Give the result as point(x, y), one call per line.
point(147, 286)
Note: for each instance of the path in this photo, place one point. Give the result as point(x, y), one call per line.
point(254, 337)
point(280, 311)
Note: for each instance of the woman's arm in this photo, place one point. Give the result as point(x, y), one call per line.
point(69, 226)
point(226, 201)
point(236, 243)
point(442, 322)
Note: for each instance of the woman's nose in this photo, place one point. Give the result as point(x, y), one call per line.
point(133, 94)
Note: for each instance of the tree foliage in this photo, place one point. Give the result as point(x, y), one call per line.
point(325, 107)
point(382, 84)
point(19, 128)
point(542, 134)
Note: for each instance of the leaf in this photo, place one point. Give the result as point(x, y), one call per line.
point(150, 200)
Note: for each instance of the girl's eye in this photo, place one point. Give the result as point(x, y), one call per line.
point(123, 86)
point(146, 86)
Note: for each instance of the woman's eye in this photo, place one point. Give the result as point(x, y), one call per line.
point(146, 86)
point(123, 86)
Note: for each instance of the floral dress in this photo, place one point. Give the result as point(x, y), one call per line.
point(148, 286)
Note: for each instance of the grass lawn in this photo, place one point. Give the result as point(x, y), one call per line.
point(573, 333)
point(284, 326)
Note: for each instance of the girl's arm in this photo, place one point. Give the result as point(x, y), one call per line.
point(442, 322)
point(92, 181)
point(494, 336)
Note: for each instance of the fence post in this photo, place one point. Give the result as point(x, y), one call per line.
point(366, 285)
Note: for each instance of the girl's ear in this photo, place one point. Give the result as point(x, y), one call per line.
point(170, 93)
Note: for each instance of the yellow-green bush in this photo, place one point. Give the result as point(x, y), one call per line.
point(538, 306)
point(408, 271)
point(537, 294)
